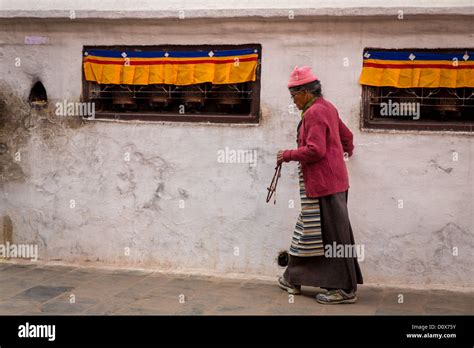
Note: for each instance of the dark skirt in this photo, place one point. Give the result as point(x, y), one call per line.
point(322, 271)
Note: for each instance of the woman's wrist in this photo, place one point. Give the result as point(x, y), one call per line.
point(287, 155)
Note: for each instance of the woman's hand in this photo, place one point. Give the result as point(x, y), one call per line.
point(280, 157)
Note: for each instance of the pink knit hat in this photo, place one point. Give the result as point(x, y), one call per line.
point(301, 76)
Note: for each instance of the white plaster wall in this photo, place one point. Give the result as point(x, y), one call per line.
point(135, 204)
point(227, 8)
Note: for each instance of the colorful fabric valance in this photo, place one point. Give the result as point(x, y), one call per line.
point(410, 69)
point(175, 68)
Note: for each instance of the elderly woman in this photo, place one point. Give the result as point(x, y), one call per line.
point(323, 223)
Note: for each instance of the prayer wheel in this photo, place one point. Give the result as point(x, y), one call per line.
point(122, 97)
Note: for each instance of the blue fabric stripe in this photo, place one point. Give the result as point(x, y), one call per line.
point(172, 54)
point(404, 55)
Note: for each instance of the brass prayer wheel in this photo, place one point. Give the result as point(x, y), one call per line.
point(193, 96)
point(228, 95)
point(123, 97)
point(159, 96)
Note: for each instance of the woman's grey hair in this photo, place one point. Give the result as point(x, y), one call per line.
point(313, 87)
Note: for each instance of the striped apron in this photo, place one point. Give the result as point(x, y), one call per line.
point(307, 236)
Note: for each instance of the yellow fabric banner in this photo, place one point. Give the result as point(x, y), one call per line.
point(412, 70)
point(175, 68)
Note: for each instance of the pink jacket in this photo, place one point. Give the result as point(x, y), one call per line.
point(323, 139)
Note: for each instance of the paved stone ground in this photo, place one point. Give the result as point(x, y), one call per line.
point(45, 290)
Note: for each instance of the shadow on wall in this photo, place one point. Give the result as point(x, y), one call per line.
point(14, 118)
point(7, 230)
point(20, 119)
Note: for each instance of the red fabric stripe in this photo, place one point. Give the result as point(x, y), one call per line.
point(417, 66)
point(160, 62)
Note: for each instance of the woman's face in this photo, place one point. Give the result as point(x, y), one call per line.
point(300, 99)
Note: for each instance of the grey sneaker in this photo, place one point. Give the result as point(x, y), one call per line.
point(292, 289)
point(336, 296)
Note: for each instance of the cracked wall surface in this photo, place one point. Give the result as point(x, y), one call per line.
point(139, 194)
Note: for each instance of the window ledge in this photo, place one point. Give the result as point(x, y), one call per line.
point(415, 132)
point(171, 123)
